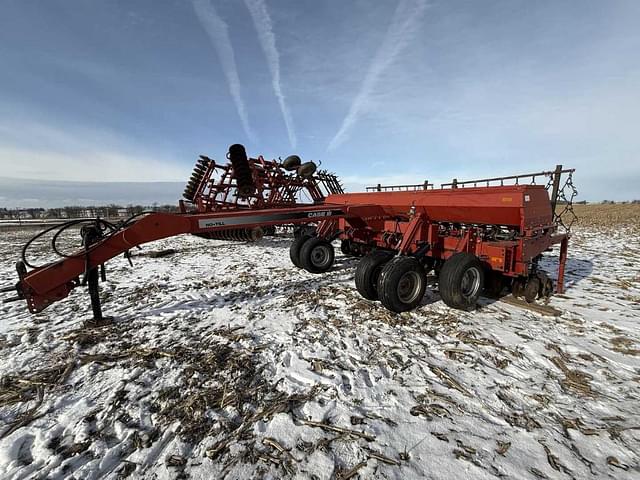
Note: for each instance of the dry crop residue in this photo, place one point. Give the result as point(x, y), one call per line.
point(224, 361)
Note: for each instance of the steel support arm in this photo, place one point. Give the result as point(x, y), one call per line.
point(50, 283)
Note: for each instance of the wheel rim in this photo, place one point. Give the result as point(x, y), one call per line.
point(470, 282)
point(320, 256)
point(409, 287)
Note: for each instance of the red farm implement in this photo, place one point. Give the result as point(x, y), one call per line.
point(477, 235)
point(483, 235)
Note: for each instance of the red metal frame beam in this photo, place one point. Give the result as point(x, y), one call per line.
point(45, 285)
point(413, 229)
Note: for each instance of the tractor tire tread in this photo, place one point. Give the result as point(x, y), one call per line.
point(368, 271)
point(294, 249)
point(389, 278)
point(450, 280)
point(305, 255)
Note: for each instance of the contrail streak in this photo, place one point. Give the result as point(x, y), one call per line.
point(218, 32)
point(405, 22)
point(264, 27)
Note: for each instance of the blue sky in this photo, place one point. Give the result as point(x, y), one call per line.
point(386, 91)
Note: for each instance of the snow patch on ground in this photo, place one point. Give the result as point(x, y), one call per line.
point(225, 361)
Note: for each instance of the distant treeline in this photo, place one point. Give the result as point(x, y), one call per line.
point(604, 202)
point(612, 202)
point(105, 211)
point(118, 211)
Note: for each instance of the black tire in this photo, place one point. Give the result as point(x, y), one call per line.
point(461, 281)
point(291, 163)
point(316, 255)
point(517, 287)
point(307, 169)
point(401, 284)
point(368, 271)
point(294, 249)
point(531, 289)
point(345, 247)
point(546, 289)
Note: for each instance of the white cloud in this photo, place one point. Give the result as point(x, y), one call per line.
point(41, 151)
point(264, 27)
point(405, 22)
point(90, 165)
point(218, 32)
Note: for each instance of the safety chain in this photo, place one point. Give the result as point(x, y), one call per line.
point(567, 217)
point(550, 182)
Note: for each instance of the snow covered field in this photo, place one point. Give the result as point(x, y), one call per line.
point(225, 361)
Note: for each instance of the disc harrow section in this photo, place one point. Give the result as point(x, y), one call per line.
point(241, 170)
point(200, 171)
point(256, 183)
point(235, 234)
